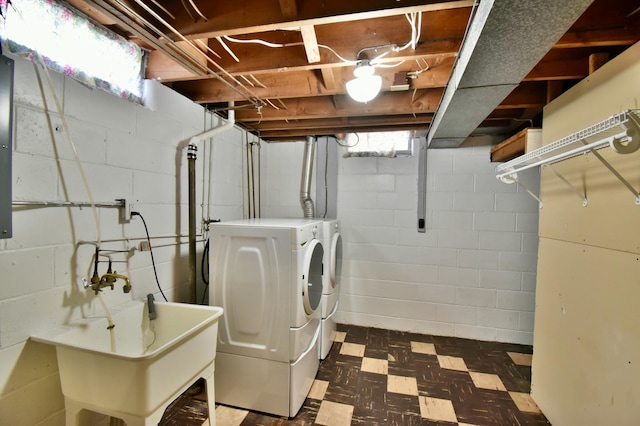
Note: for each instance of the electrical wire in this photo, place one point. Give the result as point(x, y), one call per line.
point(153, 262)
point(205, 277)
point(280, 45)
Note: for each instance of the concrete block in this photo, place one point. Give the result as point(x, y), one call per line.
point(527, 222)
point(459, 239)
point(458, 276)
point(516, 300)
point(478, 259)
point(436, 293)
point(523, 262)
point(99, 107)
point(516, 202)
point(476, 332)
point(36, 263)
point(500, 241)
point(462, 182)
point(473, 202)
point(498, 318)
point(494, 221)
point(503, 280)
point(456, 314)
point(476, 297)
point(453, 220)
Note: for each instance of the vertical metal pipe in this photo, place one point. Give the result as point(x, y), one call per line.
point(305, 182)
point(191, 159)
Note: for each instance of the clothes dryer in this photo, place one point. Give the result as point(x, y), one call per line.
point(267, 275)
point(332, 243)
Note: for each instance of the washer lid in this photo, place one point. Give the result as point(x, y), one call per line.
point(312, 277)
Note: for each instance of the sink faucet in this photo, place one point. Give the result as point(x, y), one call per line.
point(106, 280)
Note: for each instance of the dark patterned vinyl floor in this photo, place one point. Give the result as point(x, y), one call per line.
point(381, 377)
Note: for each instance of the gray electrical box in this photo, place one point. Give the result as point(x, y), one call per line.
point(6, 124)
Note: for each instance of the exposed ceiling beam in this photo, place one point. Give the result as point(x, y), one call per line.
point(289, 9)
point(308, 83)
point(310, 43)
point(221, 19)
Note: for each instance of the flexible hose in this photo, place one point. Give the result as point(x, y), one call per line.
point(73, 149)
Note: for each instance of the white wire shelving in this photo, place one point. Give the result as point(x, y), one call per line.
point(621, 132)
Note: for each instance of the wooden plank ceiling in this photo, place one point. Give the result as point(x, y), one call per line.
point(295, 85)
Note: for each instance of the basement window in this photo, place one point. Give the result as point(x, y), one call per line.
point(378, 144)
point(73, 45)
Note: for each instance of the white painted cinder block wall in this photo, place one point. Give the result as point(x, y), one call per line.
point(127, 151)
point(472, 274)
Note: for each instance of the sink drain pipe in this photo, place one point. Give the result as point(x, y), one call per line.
point(306, 202)
point(192, 156)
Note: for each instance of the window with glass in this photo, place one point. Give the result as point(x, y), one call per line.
point(378, 144)
point(70, 43)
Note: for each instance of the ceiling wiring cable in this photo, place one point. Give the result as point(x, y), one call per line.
point(184, 5)
point(153, 262)
point(163, 9)
point(227, 48)
point(193, 4)
point(280, 45)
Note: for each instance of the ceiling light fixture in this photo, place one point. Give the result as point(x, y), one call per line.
point(366, 85)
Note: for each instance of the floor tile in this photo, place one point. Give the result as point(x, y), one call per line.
point(373, 365)
point(437, 409)
point(487, 381)
point(352, 349)
point(423, 348)
point(521, 359)
point(452, 363)
point(339, 336)
point(229, 416)
point(378, 377)
point(318, 389)
point(524, 402)
point(334, 414)
point(400, 384)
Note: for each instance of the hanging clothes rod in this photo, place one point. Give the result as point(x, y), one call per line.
point(620, 132)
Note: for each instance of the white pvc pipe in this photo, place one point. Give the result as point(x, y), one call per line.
point(230, 122)
point(191, 156)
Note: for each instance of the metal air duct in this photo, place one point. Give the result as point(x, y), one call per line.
point(306, 202)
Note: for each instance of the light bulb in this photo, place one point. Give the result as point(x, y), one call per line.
point(366, 85)
point(363, 89)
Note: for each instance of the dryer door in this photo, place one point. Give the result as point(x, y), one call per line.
point(336, 260)
point(312, 277)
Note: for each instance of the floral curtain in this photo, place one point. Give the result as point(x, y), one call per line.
point(73, 45)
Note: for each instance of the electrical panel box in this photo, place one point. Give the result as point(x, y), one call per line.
point(6, 125)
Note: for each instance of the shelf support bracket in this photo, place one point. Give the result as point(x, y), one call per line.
point(614, 172)
point(585, 202)
point(521, 185)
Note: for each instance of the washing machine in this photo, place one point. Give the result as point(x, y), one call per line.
point(332, 243)
point(267, 275)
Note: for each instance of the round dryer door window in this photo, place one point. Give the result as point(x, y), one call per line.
point(312, 280)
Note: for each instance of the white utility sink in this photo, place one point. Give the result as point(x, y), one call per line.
point(153, 362)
